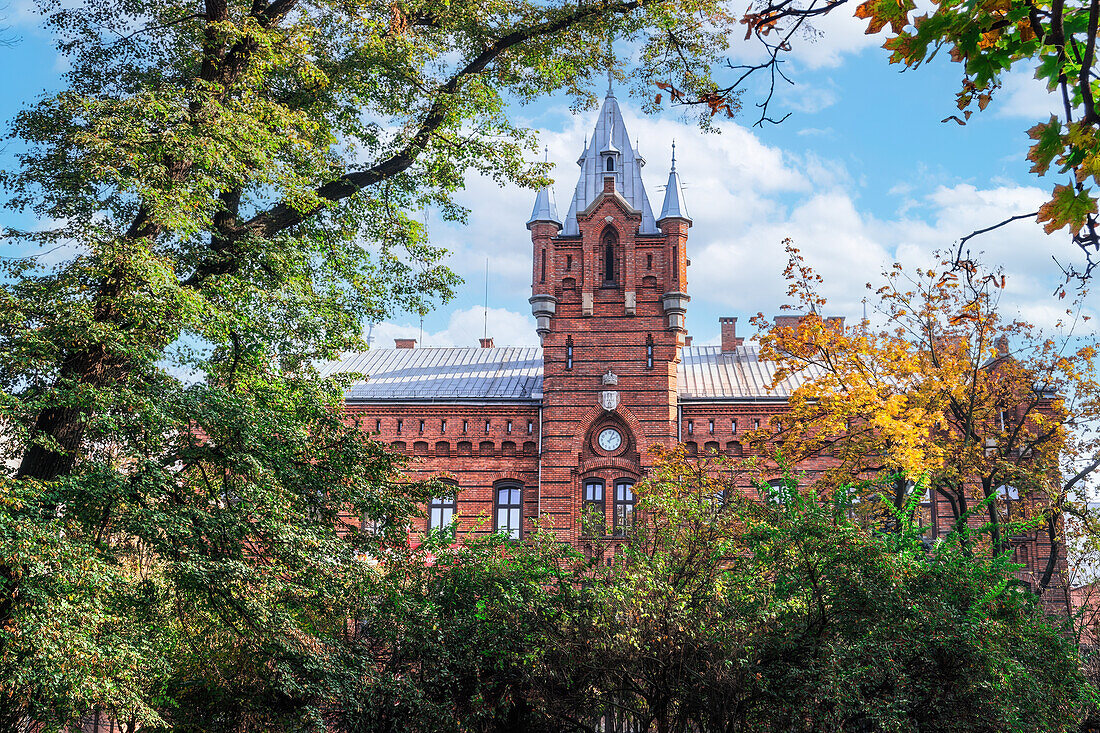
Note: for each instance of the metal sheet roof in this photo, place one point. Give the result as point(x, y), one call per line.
point(505, 374)
point(708, 373)
point(515, 374)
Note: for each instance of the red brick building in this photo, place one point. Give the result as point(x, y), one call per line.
point(562, 431)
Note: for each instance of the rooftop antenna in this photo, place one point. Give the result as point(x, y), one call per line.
point(485, 330)
point(865, 316)
point(421, 339)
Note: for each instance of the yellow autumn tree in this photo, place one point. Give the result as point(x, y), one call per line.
point(943, 403)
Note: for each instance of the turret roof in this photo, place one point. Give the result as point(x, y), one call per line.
point(674, 206)
point(610, 135)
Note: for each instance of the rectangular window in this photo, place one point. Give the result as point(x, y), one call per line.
point(530, 426)
point(756, 423)
point(711, 425)
point(593, 512)
point(399, 426)
point(733, 426)
point(441, 512)
point(486, 427)
point(691, 427)
point(465, 426)
point(509, 510)
point(377, 426)
point(443, 427)
point(624, 507)
point(508, 427)
point(649, 352)
point(542, 275)
point(421, 427)
point(569, 352)
point(569, 262)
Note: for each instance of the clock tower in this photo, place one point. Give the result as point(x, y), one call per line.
point(609, 295)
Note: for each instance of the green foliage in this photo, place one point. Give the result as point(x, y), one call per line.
point(227, 191)
point(731, 613)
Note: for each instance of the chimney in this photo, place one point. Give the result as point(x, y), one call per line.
point(1002, 345)
point(788, 321)
point(687, 340)
point(729, 334)
point(486, 343)
point(833, 323)
point(404, 343)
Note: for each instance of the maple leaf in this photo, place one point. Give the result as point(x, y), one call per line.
point(1049, 144)
point(881, 12)
point(1066, 208)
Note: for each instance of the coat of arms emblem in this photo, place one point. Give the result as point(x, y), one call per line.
point(609, 399)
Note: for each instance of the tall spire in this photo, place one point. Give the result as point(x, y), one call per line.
point(610, 139)
point(546, 207)
point(674, 206)
point(610, 64)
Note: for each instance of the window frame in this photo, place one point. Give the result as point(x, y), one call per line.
point(516, 532)
point(597, 505)
point(623, 521)
point(443, 503)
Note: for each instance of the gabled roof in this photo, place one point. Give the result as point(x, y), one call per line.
point(610, 136)
point(515, 375)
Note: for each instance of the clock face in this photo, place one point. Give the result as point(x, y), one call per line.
point(610, 439)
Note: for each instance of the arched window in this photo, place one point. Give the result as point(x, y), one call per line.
point(442, 510)
point(508, 510)
point(593, 511)
point(624, 506)
point(649, 351)
point(610, 163)
point(610, 272)
point(568, 352)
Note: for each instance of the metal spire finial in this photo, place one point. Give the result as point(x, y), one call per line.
point(610, 63)
point(545, 153)
point(673, 154)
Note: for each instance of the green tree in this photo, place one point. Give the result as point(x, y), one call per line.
point(232, 188)
point(734, 611)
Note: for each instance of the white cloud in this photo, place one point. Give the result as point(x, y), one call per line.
point(1022, 95)
point(745, 197)
point(464, 328)
point(836, 35)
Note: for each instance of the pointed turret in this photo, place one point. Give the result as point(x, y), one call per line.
point(546, 205)
point(674, 206)
point(610, 154)
point(546, 208)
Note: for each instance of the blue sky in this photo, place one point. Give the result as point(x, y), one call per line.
point(862, 173)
